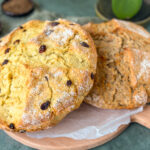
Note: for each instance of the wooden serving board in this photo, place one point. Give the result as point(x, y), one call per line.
point(142, 118)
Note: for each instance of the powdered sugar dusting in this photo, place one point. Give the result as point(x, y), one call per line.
point(59, 73)
point(2, 43)
point(58, 34)
point(48, 32)
point(31, 117)
point(36, 89)
point(64, 99)
point(61, 34)
point(77, 37)
point(25, 118)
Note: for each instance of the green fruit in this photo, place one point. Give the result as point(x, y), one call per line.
point(126, 9)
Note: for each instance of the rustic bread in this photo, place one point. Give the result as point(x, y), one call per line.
point(122, 80)
point(46, 71)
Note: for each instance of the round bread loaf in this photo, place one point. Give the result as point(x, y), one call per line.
point(122, 80)
point(46, 71)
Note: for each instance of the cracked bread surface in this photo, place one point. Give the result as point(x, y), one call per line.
point(45, 73)
point(122, 80)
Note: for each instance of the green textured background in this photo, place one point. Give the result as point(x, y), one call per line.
point(135, 137)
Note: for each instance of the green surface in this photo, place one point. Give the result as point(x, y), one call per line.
point(135, 137)
point(69, 7)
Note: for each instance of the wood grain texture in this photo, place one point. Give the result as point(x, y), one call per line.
point(143, 118)
point(63, 143)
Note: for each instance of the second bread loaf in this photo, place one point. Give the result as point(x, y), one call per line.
point(123, 73)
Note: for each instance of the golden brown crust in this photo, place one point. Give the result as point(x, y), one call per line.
point(47, 73)
point(123, 73)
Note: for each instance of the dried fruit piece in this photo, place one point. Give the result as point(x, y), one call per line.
point(45, 105)
point(5, 62)
point(55, 23)
point(12, 126)
point(21, 27)
point(92, 76)
point(84, 44)
point(7, 50)
point(16, 42)
point(69, 83)
point(42, 48)
point(46, 78)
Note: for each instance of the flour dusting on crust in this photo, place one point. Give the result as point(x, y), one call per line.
point(134, 28)
point(141, 98)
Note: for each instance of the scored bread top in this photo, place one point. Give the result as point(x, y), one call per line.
point(123, 70)
point(46, 71)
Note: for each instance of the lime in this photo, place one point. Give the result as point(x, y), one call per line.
point(126, 9)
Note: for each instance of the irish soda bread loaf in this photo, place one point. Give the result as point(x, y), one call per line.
point(46, 70)
point(123, 73)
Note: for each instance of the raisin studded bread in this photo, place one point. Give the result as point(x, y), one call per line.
point(46, 70)
point(123, 70)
